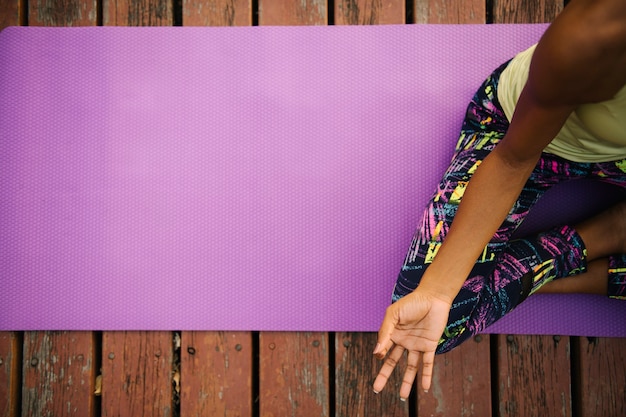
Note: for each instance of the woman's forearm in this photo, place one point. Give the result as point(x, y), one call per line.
point(486, 202)
point(492, 191)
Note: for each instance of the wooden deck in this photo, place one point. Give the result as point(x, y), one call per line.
point(294, 374)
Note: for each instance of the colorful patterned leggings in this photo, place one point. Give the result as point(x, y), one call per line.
point(508, 270)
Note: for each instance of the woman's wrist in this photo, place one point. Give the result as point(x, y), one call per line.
point(439, 288)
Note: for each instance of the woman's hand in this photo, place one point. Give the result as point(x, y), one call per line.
point(414, 323)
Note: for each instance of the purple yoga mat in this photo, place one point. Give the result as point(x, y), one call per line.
point(264, 178)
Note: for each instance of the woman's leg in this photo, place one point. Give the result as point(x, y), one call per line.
point(604, 236)
point(565, 259)
point(494, 289)
point(484, 126)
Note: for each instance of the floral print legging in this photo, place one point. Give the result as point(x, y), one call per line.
point(508, 270)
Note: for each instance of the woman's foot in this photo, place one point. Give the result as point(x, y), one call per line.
point(604, 234)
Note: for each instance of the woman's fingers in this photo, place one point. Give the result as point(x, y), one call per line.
point(428, 362)
point(412, 368)
point(387, 369)
point(389, 324)
point(410, 373)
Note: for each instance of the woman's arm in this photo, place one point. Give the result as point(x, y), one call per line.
point(416, 322)
point(580, 59)
point(571, 66)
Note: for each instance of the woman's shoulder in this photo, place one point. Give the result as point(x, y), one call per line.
point(583, 53)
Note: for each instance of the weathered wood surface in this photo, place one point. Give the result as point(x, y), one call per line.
point(10, 373)
point(137, 12)
point(137, 373)
point(289, 12)
point(295, 373)
point(461, 382)
point(534, 377)
point(450, 11)
point(62, 12)
point(355, 371)
point(216, 374)
point(524, 11)
point(602, 377)
point(369, 12)
point(58, 375)
point(217, 13)
point(11, 14)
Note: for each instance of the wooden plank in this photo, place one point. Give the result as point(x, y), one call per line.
point(217, 13)
point(369, 12)
point(137, 373)
point(137, 12)
point(290, 12)
point(526, 11)
point(356, 369)
point(461, 382)
point(293, 366)
point(216, 374)
point(354, 376)
point(449, 11)
point(10, 13)
point(534, 376)
point(602, 371)
point(10, 376)
point(58, 374)
point(216, 367)
point(293, 374)
point(62, 12)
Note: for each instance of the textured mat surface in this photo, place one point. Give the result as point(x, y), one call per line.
point(239, 178)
